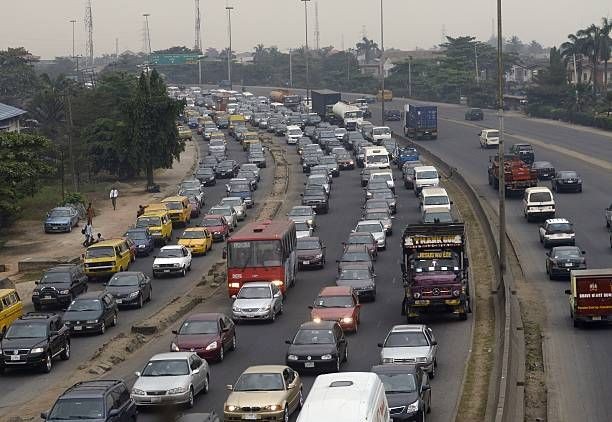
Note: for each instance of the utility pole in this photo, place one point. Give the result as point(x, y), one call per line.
point(229, 52)
point(576, 81)
point(410, 76)
point(501, 150)
point(116, 50)
point(89, 27)
point(67, 97)
point(148, 36)
point(198, 32)
point(476, 63)
point(306, 51)
point(73, 21)
point(317, 33)
point(290, 69)
point(382, 66)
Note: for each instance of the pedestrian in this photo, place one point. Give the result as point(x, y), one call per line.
point(114, 193)
point(100, 238)
point(88, 232)
point(90, 214)
point(141, 210)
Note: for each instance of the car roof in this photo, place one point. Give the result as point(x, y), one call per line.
point(127, 273)
point(408, 328)
point(62, 268)
point(204, 316)
point(174, 199)
point(363, 222)
point(336, 291)
point(264, 369)
point(315, 238)
point(321, 325)
point(425, 168)
point(538, 189)
point(394, 368)
point(433, 191)
point(171, 356)
point(557, 221)
point(91, 295)
point(170, 247)
point(90, 388)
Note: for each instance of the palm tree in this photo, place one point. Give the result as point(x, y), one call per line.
point(606, 47)
point(571, 48)
point(367, 47)
point(592, 48)
point(259, 52)
point(48, 105)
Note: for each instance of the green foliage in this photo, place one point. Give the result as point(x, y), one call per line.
point(17, 77)
point(73, 198)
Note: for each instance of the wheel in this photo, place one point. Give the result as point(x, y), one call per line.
point(189, 267)
point(150, 295)
point(190, 400)
point(432, 373)
point(206, 386)
point(221, 353)
point(48, 365)
point(273, 316)
point(234, 343)
point(114, 321)
point(140, 301)
point(280, 310)
point(102, 328)
point(346, 354)
point(301, 399)
point(66, 353)
point(37, 307)
point(286, 414)
point(183, 272)
point(338, 364)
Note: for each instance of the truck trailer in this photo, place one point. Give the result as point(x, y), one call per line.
point(590, 296)
point(420, 122)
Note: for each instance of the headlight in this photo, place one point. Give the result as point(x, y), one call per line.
point(316, 319)
point(416, 295)
point(232, 408)
point(142, 246)
point(174, 347)
point(234, 285)
point(64, 292)
point(387, 360)
point(155, 265)
point(265, 308)
point(133, 295)
point(138, 392)
point(212, 346)
point(413, 407)
point(92, 321)
point(347, 320)
point(319, 256)
point(216, 232)
point(177, 390)
point(273, 407)
point(292, 357)
point(277, 282)
point(35, 293)
point(37, 350)
point(176, 265)
point(326, 357)
point(422, 360)
point(456, 293)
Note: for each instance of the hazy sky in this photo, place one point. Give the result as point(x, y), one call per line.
point(43, 26)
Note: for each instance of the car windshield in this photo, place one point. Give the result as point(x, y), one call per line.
point(227, 211)
point(381, 177)
point(436, 200)
point(376, 204)
point(378, 185)
point(199, 327)
point(84, 305)
point(437, 217)
point(262, 292)
point(334, 302)
point(55, 277)
point(27, 330)
point(256, 253)
point(295, 132)
point(540, 197)
point(354, 274)
point(190, 184)
point(59, 213)
point(355, 257)
point(232, 202)
point(100, 252)
point(211, 222)
point(174, 205)
point(302, 227)
point(193, 234)
point(136, 235)
point(406, 339)
point(377, 216)
point(378, 158)
point(423, 265)
point(370, 228)
point(300, 212)
point(381, 131)
point(170, 253)
point(148, 222)
point(242, 187)
point(190, 192)
point(560, 228)
point(166, 368)
point(314, 337)
point(313, 192)
point(492, 134)
point(259, 382)
point(565, 253)
point(77, 408)
point(542, 165)
point(398, 383)
point(568, 174)
point(360, 239)
point(303, 245)
point(383, 194)
point(124, 280)
point(429, 174)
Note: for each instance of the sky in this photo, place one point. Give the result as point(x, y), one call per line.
point(43, 27)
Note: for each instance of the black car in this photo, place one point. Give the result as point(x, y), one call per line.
point(258, 158)
point(362, 280)
point(317, 346)
point(407, 389)
point(331, 164)
point(141, 236)
point(560, 260)
point(91, 313)
point(33, 341)
point(94, 401)
point(310, 252)
point(393, 115)
point(387, 196)
point(345, 161)
point(226, 169)
point(209, 162)
point(524, 151)
point(317, 199)
point(206, 175)
point(544, 169)
point(309, 162)
point(130, 288)
point(376, 186)
point(355, 253)
point(566, 181)
point(249, 176)
point(59, 285)
point(474, 114)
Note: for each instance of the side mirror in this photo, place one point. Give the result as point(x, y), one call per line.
point(44, 415)
point(568, 292)
point(174, 331)
point(224, 254)
point(583, 252)
point(288, 342)
point(234, 296)
point(380, 345)
point(426, 387)
point(301, 194)
point(53, 333)
point(195, 371)
point(37, 282)
point(229, 387)
point(434, 343)
point(113, 413)
point(137, 373)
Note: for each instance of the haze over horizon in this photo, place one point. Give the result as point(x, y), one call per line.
point(281, 23)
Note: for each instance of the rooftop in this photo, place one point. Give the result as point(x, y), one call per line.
point(10, 112)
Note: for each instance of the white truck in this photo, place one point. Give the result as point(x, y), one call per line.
point(349, 114)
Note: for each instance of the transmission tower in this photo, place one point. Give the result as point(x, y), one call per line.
point(89, 49)
point(317, 34)
point(198, 33)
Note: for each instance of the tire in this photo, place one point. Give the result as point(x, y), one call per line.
point(103, 328)
point(234, 343)
point(286, 414)
point(206, 386)
point(221, 354)
point(65, 355)
point(273, 316)
point(337, 369)
point(300, 399)
point(280, 310)
point(183, 272)
point(37, 307)
point(48, 365)
point(114, 321)
point(432, 374)
point(346, 354)
point(140, 302)
point(190, 402)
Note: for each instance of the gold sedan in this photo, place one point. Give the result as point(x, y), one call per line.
point(266, 392)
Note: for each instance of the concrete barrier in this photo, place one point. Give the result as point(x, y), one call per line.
point(41, 264)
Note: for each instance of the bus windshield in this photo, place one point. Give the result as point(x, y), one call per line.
point(255, 253)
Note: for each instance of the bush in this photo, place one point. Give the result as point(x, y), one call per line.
point(73, 198)
point(603, 122)
point(558, 114)
point(585, 119)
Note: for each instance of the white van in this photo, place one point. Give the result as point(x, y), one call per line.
point(383, 176)
point(376, 157)
point(538, 203)
point(346, 397)
point(425, 176)
point(293, 134)
point(434, 198)
point(379, 134)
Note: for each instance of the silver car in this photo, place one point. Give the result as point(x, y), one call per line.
point(171, 379)
point(413, 344)
point(237, 203)
point(376, 228)
point(383, 216)
point(257, 301)
point(228, 212)
point(303, 214)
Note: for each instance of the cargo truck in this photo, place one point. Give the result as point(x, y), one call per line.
point(323, 101)
point(518, 175)
point(348, 114)
point(435, 270)
point(590, 296)
point(420, 122)
point(285, 97)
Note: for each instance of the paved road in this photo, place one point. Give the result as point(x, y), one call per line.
point(577, 360)
point(19, 386)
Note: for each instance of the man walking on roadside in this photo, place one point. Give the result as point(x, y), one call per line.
point(114, 193)
point(90, 214)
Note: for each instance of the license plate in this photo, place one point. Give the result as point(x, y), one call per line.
point(77, 328)
point(119, 301)
point(420, 302)
point(568, 264)
point(309, 364)
point(47, 297)
point(250, 417)
point(155, 399)
point(305, 262)
point(596, 318)
point(166, 271)
point(15, 357)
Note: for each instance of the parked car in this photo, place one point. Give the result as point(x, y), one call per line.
point(182, 375)
point(257, 301)
point(92, 312)
point(207, 334)
point(172, 259)
point(130, 288)
point(317, 346)
point(59, 285)
point(141, 236)
point(413, 344)
point(61, 219)
point(337, 303)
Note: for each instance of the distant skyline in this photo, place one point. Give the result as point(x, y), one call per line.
point(44, 29)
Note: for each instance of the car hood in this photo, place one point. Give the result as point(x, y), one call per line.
point(158, 261)
point(255, 398)
point(215, 228)
point(82, 315)
point(57, 220)
point(191, 242)
point(161, 383)
point(401, 399)
point(332, 313)
point(308, 252)
point(22, 343)
point(251, 303)
point(195, 341)
point(405, 352)
point(357, 283)
point(121, 290)
point(311, 349)
point(299, 218)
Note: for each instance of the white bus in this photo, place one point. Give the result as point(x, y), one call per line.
point(376, 157)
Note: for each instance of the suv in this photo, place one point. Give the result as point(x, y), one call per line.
point(33, 341)
point(413, 344)
point(96, 401)
point(524, 151)
point(557, 232)
point(489, 138)
point(59, 285)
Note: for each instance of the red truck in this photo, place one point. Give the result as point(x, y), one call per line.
point(285, 97)
point(518, 175)
point(590, 296)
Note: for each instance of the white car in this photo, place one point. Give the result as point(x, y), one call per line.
point(489, 138)
point(228, 212)
point(411, 344)
point(303, 229)
point(376, 228)
point(237, 203)
point(180, 375)
point(434, 198)
point(538, 202)
point(293, 134)
point(383, 176)
point(257, 301)
point(172, 259)
point(557, 232)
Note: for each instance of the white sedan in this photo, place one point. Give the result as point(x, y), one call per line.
point(172, 259)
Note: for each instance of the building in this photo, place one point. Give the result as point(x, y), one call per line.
point(393, 57)
point(9, 118)
point(525, 73)
point(584, 72)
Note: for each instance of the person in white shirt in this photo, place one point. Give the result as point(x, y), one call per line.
point(114, 193)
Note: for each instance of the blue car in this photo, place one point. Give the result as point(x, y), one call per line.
point(61, 219)
point(141, 236)
point(406, 154)
point(193, 124)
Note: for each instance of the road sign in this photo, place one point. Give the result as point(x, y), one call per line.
point(171, 59)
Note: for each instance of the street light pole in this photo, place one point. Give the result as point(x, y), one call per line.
point(306, 50)
point(290, 69)
point(148, 46)
point(229, 52)
point(501, 150)
point(73, 21)
point(382, 67)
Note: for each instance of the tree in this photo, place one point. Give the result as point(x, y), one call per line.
point(535, 48)
point(592, 48)
point(514, 45)
point(606, 47)
point(48, 106)
point(572, 49)
point(23, 162)
point(368, 48)
point(17, 77)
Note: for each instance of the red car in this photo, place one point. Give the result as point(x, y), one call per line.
point(337, 303)
point(364, 238)
point(207, 334)
point(217, 225)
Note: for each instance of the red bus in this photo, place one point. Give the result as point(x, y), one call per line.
point(262, 251)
